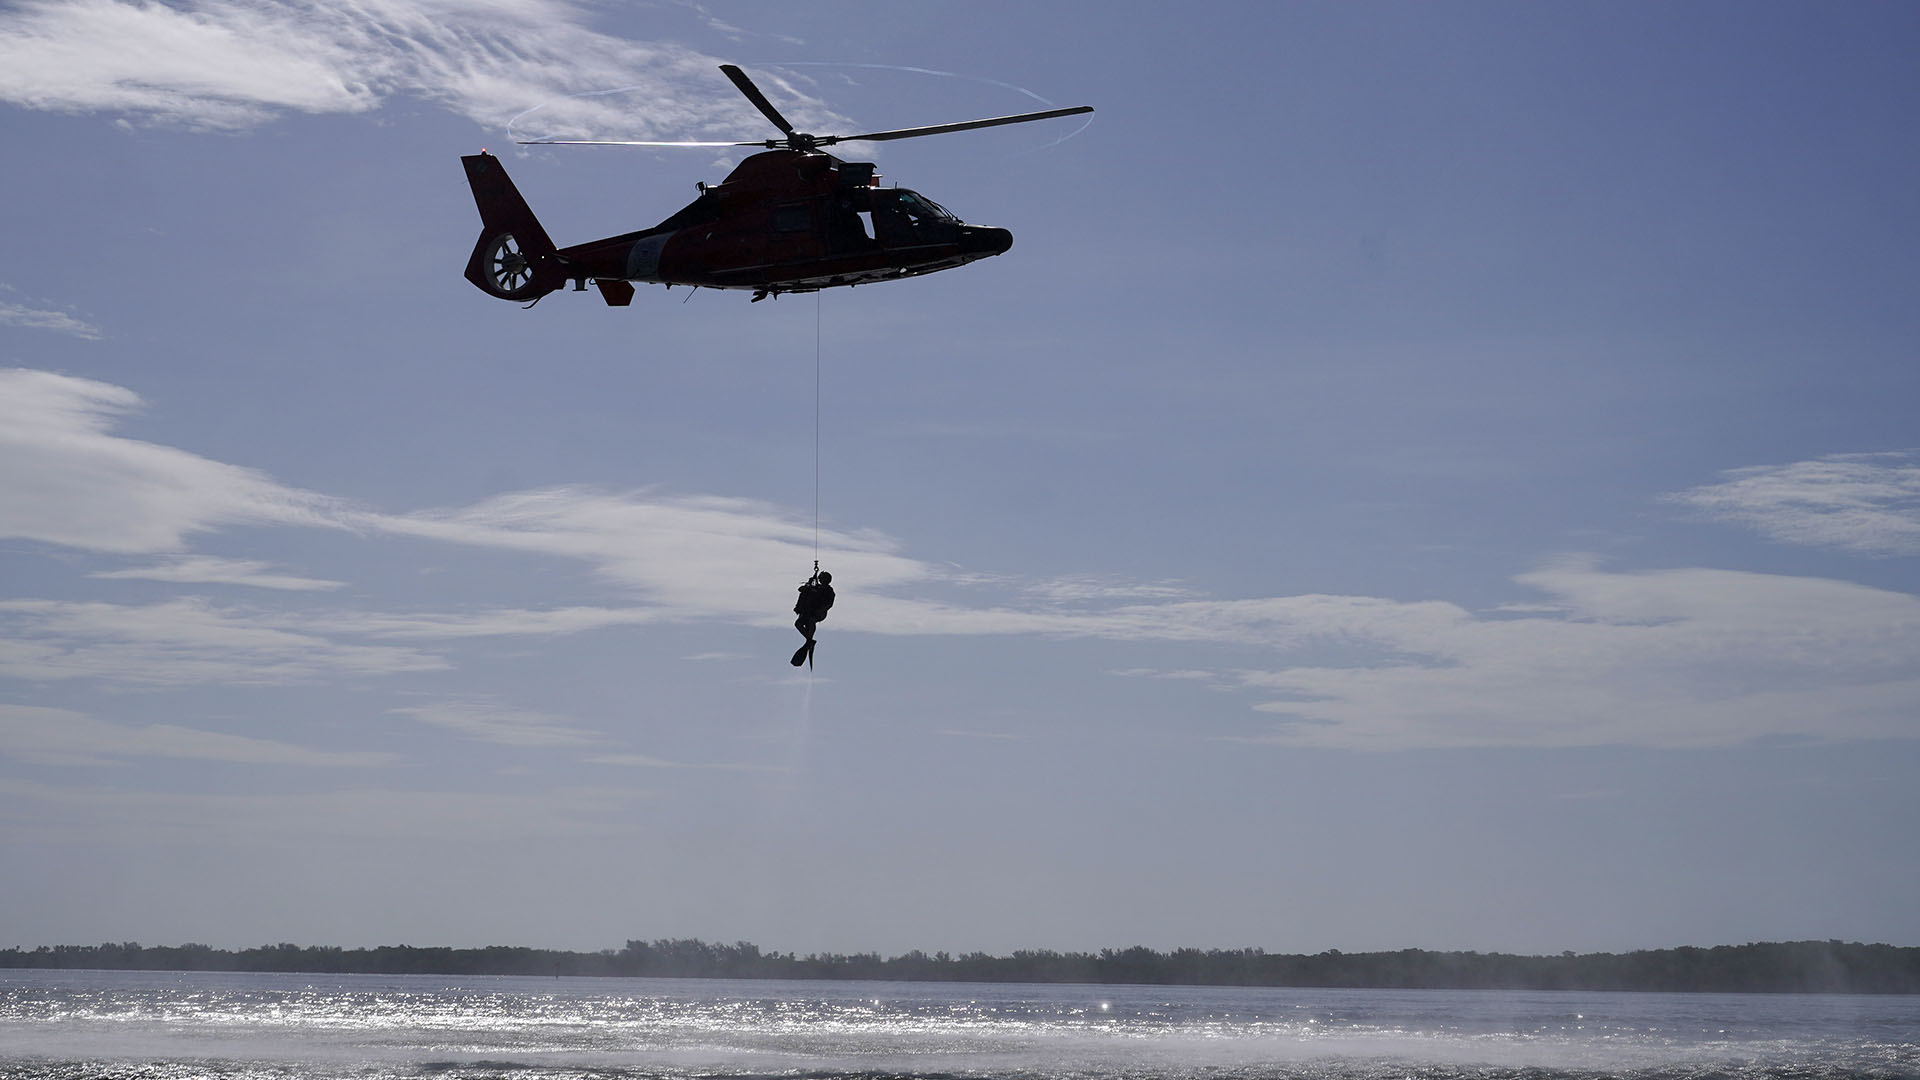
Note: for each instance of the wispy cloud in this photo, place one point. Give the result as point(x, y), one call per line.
point(721, 26)
point(1864, 503)
point(43, 736)
point(53, 812)
point(1086, 589)
point(60, 322)
point(689, 556)
point(181, 642)
point(1678, 657)
point(644, 761)
point(1183, 675)
point(490, 622)
point(64, 479)
point(233, 64)
point(1674, 658)
point(210, 570)
point(498, 724)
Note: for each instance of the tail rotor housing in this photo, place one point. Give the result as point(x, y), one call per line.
point(513, 259)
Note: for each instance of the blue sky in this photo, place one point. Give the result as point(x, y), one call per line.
point(1425, 475)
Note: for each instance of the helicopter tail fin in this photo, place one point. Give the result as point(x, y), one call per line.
point(514, 259)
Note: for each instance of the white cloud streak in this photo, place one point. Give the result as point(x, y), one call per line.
point(65, 480)
point(1675, 658)
point(1681, 657)
point(1864, 503)
point(507, 727)
point(688, 556)
point(42, 736)
point(211, 570)
point(60, 322)
point(227, 65)
point(181, 642)
point(645, 761)
point(50, 812)
point(492, 622)
point(1083, 590)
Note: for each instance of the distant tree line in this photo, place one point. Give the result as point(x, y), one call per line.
point(1767, 967)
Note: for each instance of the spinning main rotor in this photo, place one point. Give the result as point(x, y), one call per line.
point(800, 140)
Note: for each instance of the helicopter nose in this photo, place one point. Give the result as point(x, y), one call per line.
point(983, 240)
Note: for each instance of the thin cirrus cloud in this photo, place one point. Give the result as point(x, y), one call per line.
point(1674, 658)
point(60, 322)
point(226, 65)
point(182, 642)
point(362, 814)
point(647, 761)
point(43, 736)
point(1868, 504)
point(212, 570)
point(506, 727)
point(492, 622)
point(691, 556)
point(66, 479)
point(1680, 657)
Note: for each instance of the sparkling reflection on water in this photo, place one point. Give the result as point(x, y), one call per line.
point(163, 1025)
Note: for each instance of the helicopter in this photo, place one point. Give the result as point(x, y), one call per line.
point(793, 219)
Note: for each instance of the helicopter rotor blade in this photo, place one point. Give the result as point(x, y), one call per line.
point(942, 129)
point(624, 142)
point(759, 99)
point(797, 141)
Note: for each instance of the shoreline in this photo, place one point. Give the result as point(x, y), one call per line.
point(1800, 967)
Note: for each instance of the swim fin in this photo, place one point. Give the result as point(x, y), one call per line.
point(803, 655)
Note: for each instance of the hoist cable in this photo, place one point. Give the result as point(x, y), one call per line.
point(816, 431)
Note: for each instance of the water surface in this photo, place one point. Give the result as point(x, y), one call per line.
point(372, 1027)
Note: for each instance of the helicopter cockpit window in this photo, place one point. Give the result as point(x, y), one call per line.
point(792, 219)
point(905, 217)
point(923, 208)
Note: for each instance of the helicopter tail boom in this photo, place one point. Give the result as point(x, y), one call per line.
point(514, 259)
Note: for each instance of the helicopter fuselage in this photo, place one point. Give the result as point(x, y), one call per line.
point(782, 221)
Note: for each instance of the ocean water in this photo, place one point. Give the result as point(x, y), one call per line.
point(147, 1025)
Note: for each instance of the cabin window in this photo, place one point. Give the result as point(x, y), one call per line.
point(791, 219)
